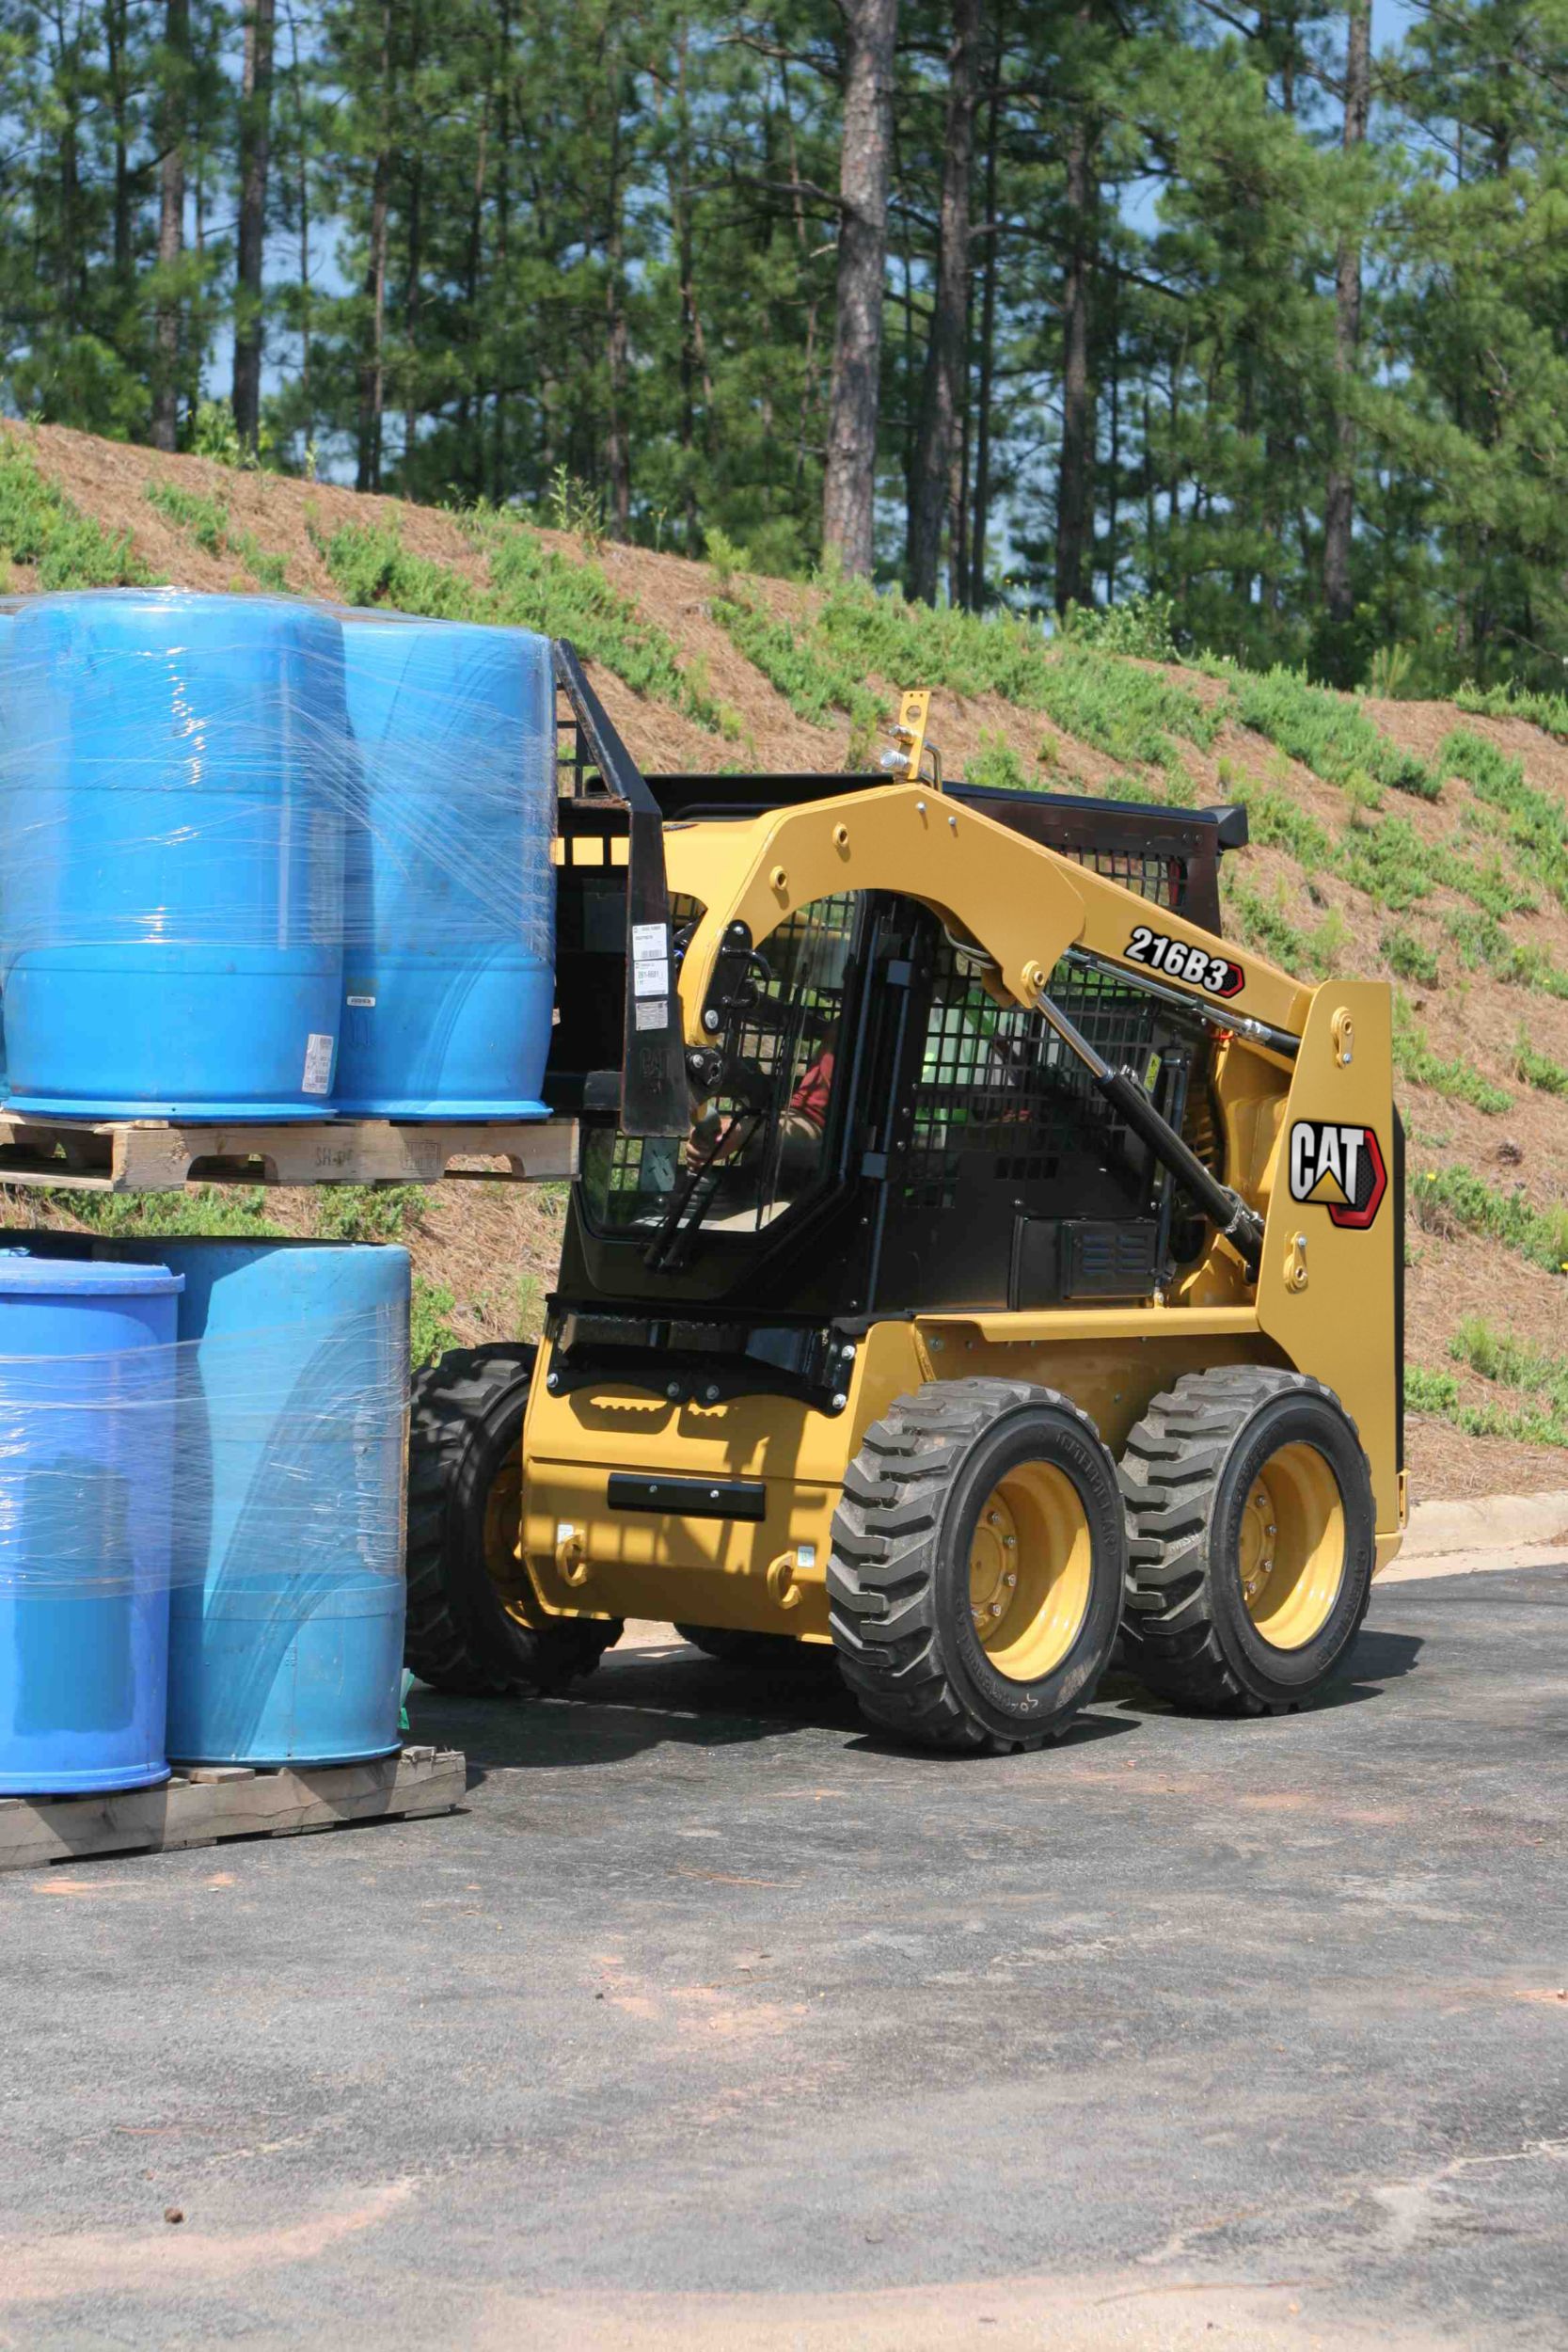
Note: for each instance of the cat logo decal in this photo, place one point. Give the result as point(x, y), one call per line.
point(1341, 1169)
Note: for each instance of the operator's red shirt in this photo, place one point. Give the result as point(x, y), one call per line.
point(812, 1096)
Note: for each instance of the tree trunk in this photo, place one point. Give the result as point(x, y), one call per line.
point(1113, 486)
point(958, 514)
point(1075, 469)
point(617, 447)
point(980, 515)
point(171, 224)
point(499, 274)
point(850, 486)
point(808, 278)
point(946, 353)
point(413, 293)
point(302, 194)
point(255, 141)
point(411, 301)
point(1339, 502)
point(372, 368)
point(115, 36)
point(71, 277)
point(472, 462)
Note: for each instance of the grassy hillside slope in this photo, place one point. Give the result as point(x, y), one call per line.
point(1420, 842)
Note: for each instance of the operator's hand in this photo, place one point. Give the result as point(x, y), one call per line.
point(713, 1140)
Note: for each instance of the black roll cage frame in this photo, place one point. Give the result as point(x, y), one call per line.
point(605, 795)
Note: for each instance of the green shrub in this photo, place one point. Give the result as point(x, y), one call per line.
point(202, 518)
point(1409, 958)
point(1251, 920)
point(821, 661)
point(1139, 627)
point(370, 565)
point(200, 1210)
point(1538, 1070)
point(1458, 1080)
point(536, 587)
point(997, 763)
point(1485, 946)
point(1425, 1392)
point(1548, 711)
point(39, 525)
point(215, 433)
point(369, 1213)
point(1445, 1197)
point(1389, 862)
point(205, 519)
point(1276, 822)
point(793, 661)
point(1537, 823)
point(430, 1332)
point(1328, 733)
point(1507, 1363)
point(269, 571)
point(530, 586)
point(1514, 1363)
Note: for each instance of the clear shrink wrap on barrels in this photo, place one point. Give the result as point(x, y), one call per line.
point(174, 778)
point(89, 1375)
point(286, 1624)
point(450, 897)
point(181, 779)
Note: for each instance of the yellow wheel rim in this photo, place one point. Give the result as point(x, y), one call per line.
point(1030, 1571)
point(1292, 1546)
point(503, 1534)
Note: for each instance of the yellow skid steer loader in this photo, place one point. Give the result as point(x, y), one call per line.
point(973, 1253)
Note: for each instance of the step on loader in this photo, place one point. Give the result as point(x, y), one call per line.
point(974, 1255)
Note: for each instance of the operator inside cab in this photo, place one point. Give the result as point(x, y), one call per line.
point(741, 1138)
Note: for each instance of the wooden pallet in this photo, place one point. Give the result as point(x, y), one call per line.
point(161, 1155)
point(203, 1805)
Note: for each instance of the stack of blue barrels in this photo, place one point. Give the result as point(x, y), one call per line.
point(258, 861)
point(262, 860)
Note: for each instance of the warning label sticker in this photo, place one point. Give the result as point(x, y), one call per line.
point(318, 1064)
point(653, 1012)
point(650, 976)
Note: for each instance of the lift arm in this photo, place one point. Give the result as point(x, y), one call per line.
point(1014, 904)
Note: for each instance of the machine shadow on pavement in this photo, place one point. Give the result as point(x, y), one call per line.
point(670, 1695)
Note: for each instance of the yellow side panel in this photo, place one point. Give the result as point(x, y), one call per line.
point(1326, 1290)
point(1112, 1379)
point(765, 1575)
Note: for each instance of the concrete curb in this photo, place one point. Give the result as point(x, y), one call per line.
point(1489, 1522)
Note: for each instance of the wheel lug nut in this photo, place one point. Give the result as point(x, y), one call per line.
point(1010, 1579)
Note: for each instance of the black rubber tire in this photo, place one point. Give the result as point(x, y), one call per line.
point(759, 1653)
point(898, 1574)
point(466, 1417)
point(1186, 1473)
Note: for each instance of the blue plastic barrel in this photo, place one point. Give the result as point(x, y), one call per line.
point(7, 616)
point(172, 788)
point(86, 1428)
point(286, 1632)
point(449, 892)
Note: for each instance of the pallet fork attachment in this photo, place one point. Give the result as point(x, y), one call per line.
point(654, 1095)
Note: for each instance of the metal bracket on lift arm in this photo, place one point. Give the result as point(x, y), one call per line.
point(1238, 1223)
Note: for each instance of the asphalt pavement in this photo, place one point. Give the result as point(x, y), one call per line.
point(712, 2022)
